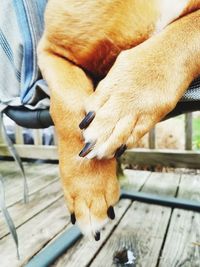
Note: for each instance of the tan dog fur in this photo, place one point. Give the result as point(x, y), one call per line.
point(145, 53)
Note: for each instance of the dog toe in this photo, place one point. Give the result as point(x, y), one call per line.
point(91, 218)
point(111, 142)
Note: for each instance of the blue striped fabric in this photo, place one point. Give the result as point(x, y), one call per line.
point(21, 26)
point(9, 53)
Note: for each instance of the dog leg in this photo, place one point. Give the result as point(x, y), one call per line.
point(142, 87)
point(90, 186)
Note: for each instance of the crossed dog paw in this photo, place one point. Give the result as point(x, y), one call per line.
point(124, 107)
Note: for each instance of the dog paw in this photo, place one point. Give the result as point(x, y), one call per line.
point(124, 107)
point(91, 190)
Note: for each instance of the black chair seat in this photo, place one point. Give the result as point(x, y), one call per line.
point(41, 118)
point(34, 119)
point(184, 107)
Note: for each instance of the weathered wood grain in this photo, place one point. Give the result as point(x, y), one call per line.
point(190, 187)
point(84, 250)
point(182, 243)
point(141, 231)
point(162, 157)
point(152, 138)
point(8, 168)
point(134, 180)
point(34, 234)
point(188, 131)
point(36, 175)
point(32, 151)
point(14, 178)
point(38, 201)
point(1, 136)
point(14, 192)
point(143, 227)
point(19, 134)
point(37, 137)
point(162, 183)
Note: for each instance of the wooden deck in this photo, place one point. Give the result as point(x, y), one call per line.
point(157, 236)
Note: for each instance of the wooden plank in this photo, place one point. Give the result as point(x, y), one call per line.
point(143, 227)
point(190, 187)
point(55, 137)
point(14, 191)
point(38, 201)
point(8, 168)
point(19, 134)
point(13, 196)
point(141, 231)
point(32, 151)
point(152, 138)
point(162, 157)
point(182, 246)
point(162, 183)
point(134, 180)
point(188, 131)
point(12, 176)
point(13, 184)
point(37, 136)
point(34, 234)
point(1, 136)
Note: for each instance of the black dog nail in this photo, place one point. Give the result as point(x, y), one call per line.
point(87, 148)
point(111, 213)
point(97, 236)
point(87, 120)
point(120, 151)
point(73, 218)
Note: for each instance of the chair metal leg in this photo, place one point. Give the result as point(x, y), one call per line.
point(172, 202)
point(7, 217)
point(48, 255)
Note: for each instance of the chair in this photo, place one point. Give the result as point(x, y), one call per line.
point(30, 119)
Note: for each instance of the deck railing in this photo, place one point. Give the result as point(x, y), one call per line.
point(185, 158)
point(37, 150)
point(188, 133)
point(139, 156)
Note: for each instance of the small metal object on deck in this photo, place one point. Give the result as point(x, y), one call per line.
point(124, 256)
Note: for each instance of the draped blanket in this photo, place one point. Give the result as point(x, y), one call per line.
point(21, 26)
